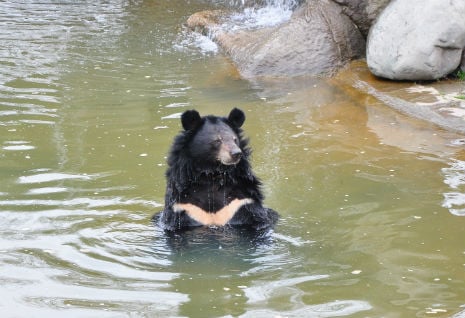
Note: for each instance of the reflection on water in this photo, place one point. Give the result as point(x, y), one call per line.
point(371, 201)
point(455, 179)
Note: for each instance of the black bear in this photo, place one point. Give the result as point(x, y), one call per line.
point(209, 178)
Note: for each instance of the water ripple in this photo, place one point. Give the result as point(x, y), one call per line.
point(51, 176)
point(18, 146)
point(88, 202)
point(337, 308)
point(264, 291)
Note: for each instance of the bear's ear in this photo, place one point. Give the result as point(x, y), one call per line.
point(236, 117)
point(190, 119)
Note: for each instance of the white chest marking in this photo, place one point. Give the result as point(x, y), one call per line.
point(219, 218)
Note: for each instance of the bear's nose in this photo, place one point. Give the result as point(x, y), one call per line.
point(236, 155)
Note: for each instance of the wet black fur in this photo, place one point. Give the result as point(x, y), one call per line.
point(211, 185)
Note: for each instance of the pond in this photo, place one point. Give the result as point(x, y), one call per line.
point(371, 201)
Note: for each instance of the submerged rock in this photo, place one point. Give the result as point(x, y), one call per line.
point(417, 39)
point(318, 40)
point(439, 102)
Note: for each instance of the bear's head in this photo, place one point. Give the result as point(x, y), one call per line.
point(214, 139)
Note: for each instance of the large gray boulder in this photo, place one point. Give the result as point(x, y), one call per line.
point(417, 39)
point(318, 40)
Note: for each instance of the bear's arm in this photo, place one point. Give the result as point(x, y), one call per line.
point(255, 215)
point(173, 221)
point(168, 219)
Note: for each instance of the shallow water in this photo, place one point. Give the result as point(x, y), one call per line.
point(371, 201)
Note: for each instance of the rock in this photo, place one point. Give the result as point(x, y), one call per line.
point(317, 40)
point(363, 12)
point(206, 21)
point(417, 39)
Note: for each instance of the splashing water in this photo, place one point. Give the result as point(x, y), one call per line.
point(288, 4)
point(252, 18)
point(197, 42)
point(273, 12)
point(250, 15)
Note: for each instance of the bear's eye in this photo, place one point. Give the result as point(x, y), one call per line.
point(217, 141)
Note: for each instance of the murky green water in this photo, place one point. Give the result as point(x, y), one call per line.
point(371, 201)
